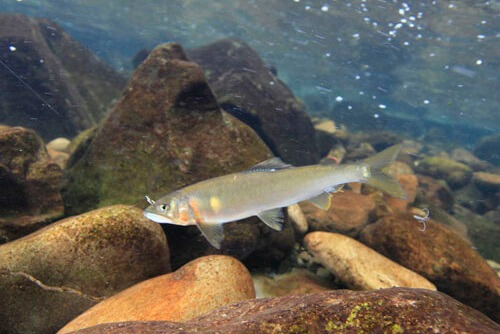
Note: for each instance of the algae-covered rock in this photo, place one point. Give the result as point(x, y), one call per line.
point(76, 87)
point(52, 275)
point(468, 158)
point(249, 90)
point(29, 184)
point(483, 231)
point(396, 310)
point(440, 255)
point(359, 267)
point(487, 149)
point(456, 174)
point(166, 131)
point(487, 182)
point(198, 287)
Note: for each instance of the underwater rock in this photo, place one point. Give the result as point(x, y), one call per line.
point(296, 282)
point(487, 149)
point(49, 277)
point(359, 267)
point(379, 140)
point(357, 151)
point(297, 218)
point(395, 310)
point(348, 214)
point(487, 182)
point(246, 88)
point(76, 87)
point(483, 231)
point(198, 287)
point(165, 132)
point(432, 192)
point(456, 174)
point(408, 181)
point(60, 158)
point(474, 199)
point(59, 144)
point(466, 157)
point(441, 256)
point(29, 183)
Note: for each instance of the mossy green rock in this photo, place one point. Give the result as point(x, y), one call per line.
point(167, 131)
point(395, 310)
point(29, 184)
point(49, 277)
point(440, 255)
point(456, 174)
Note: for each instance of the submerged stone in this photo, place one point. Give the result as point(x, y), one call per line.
point(29, 184)
point(396, 310)
point(166, 131)
point(198, 287)
point(359, 267)
point(248, 89)
point(440, 255)
point(54, 274)
point(456, 174)
point(75, 83)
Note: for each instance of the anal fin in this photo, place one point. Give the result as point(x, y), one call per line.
point(213, 232)
point(272, 218)
point(321, 201)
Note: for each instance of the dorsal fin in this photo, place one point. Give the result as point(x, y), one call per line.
point(269, 165)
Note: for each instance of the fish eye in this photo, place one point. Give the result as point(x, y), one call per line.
point(164, 207)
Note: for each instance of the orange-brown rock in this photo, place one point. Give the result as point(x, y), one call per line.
point(359, 267)
point(440, 255)
point(410, 185)
point(348, 214)
point(49, 277)
point(198, 287)
point(396, 310)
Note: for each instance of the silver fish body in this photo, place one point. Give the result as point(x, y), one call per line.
point(263, 190)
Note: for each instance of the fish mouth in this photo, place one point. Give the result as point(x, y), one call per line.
point(157, 218)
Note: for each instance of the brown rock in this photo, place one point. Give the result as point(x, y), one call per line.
point(441, 256)
point(410, 185)
point(432, 192)
point(487, 182)
point(396, 310)
point(198, 287)
point(359, 267)
point(249, 90)
point(77, 85)
point(54, 274)
point(29, 183)
point(466, 157)
point(456, 174)
point(296, 282)
point(298, 219)
point(348, 214)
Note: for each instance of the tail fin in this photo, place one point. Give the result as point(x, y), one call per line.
point(379, 179)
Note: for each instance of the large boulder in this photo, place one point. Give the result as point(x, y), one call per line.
point(247, 88)
point(396, 310)
point(65, 88)
point(167, 131)
point(487, 149)
point(49, 277)
point(30, 184)
point(198, 287)
point(440, 255)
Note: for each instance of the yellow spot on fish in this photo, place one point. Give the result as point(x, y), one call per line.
point(215, 203)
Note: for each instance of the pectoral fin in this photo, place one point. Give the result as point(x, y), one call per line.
point(272, 218)
point(321, 201)
point(213, 232)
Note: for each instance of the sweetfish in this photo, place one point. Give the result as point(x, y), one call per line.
point(263, 190)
